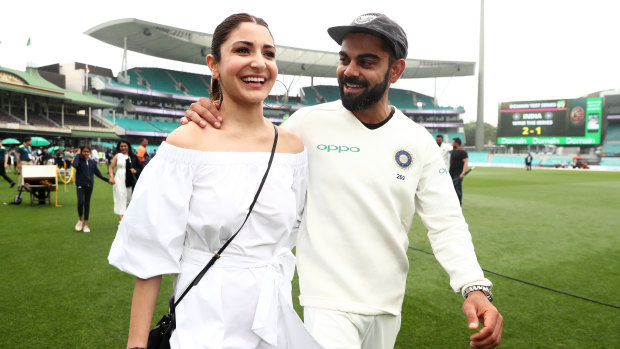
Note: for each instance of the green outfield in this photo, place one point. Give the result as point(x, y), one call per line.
point(554, 228)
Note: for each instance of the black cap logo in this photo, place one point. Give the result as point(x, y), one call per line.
point(365, 18)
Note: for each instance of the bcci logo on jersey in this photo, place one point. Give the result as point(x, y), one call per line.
point(403, 158)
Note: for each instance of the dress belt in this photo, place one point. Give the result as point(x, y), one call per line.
point(275, 286)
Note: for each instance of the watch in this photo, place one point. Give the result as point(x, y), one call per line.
point(485, 289)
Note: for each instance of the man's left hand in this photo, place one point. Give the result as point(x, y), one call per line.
point(478, 308)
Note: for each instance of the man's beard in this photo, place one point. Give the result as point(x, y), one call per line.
point(366, 98)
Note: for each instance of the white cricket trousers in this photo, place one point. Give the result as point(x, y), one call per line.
point(340, 330)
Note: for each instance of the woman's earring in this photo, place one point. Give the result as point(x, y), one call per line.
point(280, 98)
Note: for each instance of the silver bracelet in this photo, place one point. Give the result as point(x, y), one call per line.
point(485, 289)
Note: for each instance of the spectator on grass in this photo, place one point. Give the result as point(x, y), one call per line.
point(352, 244)
point(4, 163)
point(85, 170)
point(458, 166)
point(445, 149)
point(24, 154)
point(127, 171)
point(528, 162)
point(143, 155)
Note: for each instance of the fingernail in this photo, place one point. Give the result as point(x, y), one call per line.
point(472, 325)
point(203, 123)
point(217, 124)
point(219, 118)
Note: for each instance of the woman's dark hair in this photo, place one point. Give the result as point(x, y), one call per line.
point(222, 31)
point(84, 147)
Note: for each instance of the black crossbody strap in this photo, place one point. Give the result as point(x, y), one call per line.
point(219, 253)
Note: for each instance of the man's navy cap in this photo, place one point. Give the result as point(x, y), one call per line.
point(375, 24)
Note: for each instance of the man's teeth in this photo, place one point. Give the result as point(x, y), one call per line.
point(354, 86)
point(253, 79)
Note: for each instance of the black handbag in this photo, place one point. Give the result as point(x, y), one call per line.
point(159, 337)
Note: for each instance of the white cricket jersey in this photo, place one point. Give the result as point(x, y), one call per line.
point(363, 189)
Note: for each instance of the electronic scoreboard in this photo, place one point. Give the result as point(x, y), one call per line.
point(560, 122)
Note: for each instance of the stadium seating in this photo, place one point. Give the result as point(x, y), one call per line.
point(310, 95)
point(613, 132)
point(402, 99)
point(330, 93)
point(612, 162)
point(164, 126)
point(610, 147)
point(159, 80)
point(75, 120)
point(499, 159)
point(478, 156)
point(133, 81)
point(6, 117)
point(134, 125)
point(195, 84)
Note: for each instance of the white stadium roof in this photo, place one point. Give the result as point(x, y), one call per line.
point(192, 47)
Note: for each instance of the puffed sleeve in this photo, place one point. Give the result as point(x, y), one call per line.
point(149, 240)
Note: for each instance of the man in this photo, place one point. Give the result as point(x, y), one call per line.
point(528, 162)
point(370, 168)
point(143, 156)
point(445, 150)
point(24, 154)
point(94, 155)
point(4, 158)
point(458, 165)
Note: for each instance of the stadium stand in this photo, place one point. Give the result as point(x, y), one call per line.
point(613, 132)
point(499, 159)
point(74, 120)
point(329, 93)
point(134, 125)
point(611, 162)
point(310, 96)
point(8, 118)
point(194, 84)
point(159, 80)
point(164, 126)
point(611, 147)
point(478, 156)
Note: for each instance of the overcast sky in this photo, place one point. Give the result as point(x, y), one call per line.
point(534, 49)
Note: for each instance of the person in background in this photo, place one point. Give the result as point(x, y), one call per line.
point(24, 154)
point(528, 162)
point(445, 149)
point(85, 169)
point(67, 156)
point(352, 246)
point(4, 163)
point(94, 154)
point(459, 161)
point(194, 195)
point(143, 155)
point(45, 157)
point(126, 164)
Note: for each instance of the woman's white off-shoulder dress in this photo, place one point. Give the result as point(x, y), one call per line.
point(185, 206)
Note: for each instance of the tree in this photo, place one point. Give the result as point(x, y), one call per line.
point(490, 133)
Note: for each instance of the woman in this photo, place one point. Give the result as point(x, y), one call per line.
point(124, 179)
point(195, 194)
point(85, 168)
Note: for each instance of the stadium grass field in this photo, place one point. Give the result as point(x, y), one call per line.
point(555, 228)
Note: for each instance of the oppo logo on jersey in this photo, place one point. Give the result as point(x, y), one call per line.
point(338, 148)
